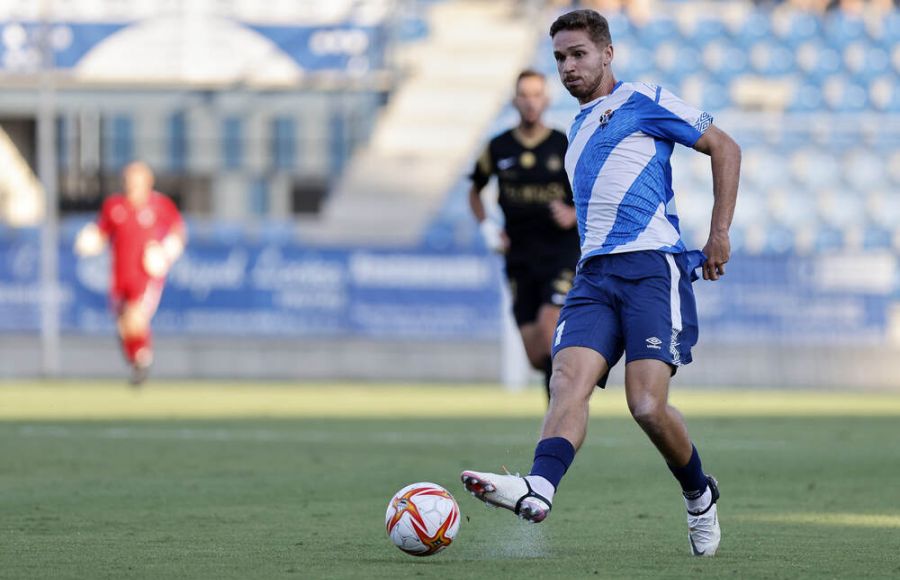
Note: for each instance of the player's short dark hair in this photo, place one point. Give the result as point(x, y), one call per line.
point(590, 21)
point(529, 73)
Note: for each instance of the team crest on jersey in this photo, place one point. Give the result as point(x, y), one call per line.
point(527, 160)
point(605, 117)
point(146, 217)
point(554, 163)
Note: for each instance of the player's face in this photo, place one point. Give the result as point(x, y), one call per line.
point(582, 65)
point(138, 181)
point(531, 99)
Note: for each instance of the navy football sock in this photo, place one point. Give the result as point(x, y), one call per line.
point(552, 458)
point(691, 477)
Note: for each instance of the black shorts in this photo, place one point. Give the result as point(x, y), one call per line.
point(534, 283)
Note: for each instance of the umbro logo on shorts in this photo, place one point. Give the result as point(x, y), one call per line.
point(654, 343)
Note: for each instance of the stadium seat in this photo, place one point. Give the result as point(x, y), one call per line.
point(841, 208)
point(771, 59)
point(829, 239)
point(819, 61)
point(814, 168)
point(791, 208)
point(754, 238)
point(779, 240)
point(863, 169)
point(754, 27)
point(805, 98)
point(411, 28)
point(764, 168)
point(701, 32)
point(890, 29)
point(724, 61)
point(656, 32)
point(619, 26)
point(752, 208)
point(893, 166)
point(884, 94)
point(675, 60)
point(842, 95)
point(841, 29)
point(636, 60)
point(794, 27)
point(877, 237)
point(865, 62)
point(883, 208)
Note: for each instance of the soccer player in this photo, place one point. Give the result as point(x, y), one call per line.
point(632, 292)
point(147, 235)
point(539, 241)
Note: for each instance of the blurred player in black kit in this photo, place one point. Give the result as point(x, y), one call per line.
point(539, 239)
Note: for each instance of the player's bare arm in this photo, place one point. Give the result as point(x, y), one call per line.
point(160, 256)
point(494, 236)
point(90, 240)
point(476, 204)
point(563, 214)
point(725, 157)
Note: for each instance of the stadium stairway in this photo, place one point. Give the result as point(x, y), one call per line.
point(456, 81)
point(21, 195)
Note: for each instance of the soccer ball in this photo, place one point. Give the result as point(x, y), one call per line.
point(422, 519)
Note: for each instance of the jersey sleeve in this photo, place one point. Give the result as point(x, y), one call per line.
point(483, 169)
point(104, 219)
point(666, 116)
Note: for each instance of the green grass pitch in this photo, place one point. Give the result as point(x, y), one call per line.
point(268, 481)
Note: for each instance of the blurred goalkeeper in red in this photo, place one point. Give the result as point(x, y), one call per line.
point(146, 234)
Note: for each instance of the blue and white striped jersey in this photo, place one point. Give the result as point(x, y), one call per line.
point(618, 165)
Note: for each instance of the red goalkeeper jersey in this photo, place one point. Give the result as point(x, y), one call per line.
point(129, 228)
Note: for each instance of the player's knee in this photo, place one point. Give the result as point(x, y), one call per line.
point(567, 383)
point(647, 411)
point(133, 324)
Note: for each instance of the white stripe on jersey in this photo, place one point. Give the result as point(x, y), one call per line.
point(618, 165)
point(602, 209)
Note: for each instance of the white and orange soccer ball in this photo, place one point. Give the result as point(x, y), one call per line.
point(422, 519)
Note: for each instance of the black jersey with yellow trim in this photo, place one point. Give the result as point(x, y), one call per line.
point(530, 174)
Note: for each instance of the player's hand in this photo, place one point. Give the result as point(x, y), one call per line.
point(717, 251)
point(563, 214)
point(89, 241)
point(155, 261)
point(159, 256)
point(494, 237)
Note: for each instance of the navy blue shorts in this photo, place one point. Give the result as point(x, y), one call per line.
point(639, 303)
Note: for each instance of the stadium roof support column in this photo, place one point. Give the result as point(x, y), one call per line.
point(46, 145)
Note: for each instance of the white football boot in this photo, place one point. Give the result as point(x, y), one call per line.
point(510, 492)
point(703, 527)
